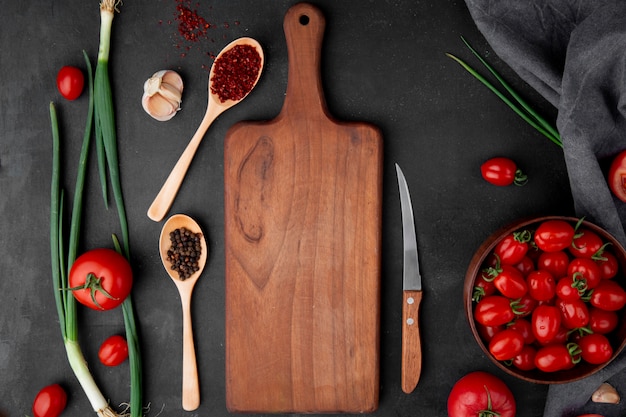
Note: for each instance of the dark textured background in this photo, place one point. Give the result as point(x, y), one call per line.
point(383, 62)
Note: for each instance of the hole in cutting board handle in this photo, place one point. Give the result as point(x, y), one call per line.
point(304, 20)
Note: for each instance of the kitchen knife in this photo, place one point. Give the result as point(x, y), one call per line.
point(411, 293)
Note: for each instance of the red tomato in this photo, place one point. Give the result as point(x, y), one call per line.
point(608, 265)
point(574, 314)
point(595, 348)
point(113, 351)
point(602, 321)
point(506, 345)
point(524, 306)
point(586, 269)
point(554, 262)
point(526, 359)
point(526, 265)
point(70, 82)
point(561, 336)
point(510, 282)
point(556, 357)
point(494, 310)
point(546, 322)
point(523, 327)
point(541, 285)
point(488, 332)
point(480, 394)
point(502, 172)
point(617, 176)
point(554, 235)
point(608, 295)
point(483, 287)
point(513, 247)
point(50, 401)
point(570, 288)
point(101, 279)
point(586, 244)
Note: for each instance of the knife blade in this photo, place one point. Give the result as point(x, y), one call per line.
point(411, 293)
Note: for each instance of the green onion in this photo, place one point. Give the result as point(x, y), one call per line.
point(517, 104)
point(106, 137)
point(106, 144)
point(101, 115)
point(65, 302)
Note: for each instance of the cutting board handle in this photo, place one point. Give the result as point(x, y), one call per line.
point(304, 31)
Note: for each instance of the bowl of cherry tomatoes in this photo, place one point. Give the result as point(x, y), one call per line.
point(545, 298)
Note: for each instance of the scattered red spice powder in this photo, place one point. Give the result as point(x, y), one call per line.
point(194, 30)
point(235, 72)
point(191, 26)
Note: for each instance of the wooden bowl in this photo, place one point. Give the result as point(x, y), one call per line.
point(582, 369)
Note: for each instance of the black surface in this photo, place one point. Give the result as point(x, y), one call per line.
point(383, 62)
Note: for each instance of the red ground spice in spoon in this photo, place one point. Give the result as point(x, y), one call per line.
point(235, 72)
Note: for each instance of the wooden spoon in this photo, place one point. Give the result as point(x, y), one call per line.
point(191, 388)
point(163, 201)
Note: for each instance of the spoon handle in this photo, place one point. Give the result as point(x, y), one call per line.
point(191, 386)
point(163, 201)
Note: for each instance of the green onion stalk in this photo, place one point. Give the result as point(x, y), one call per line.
point(106, 145)
point(516, 102)
point(100, 113)
point(65, 301)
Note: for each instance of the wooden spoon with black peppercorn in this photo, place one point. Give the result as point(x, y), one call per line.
point(184, 251)
point(235, 72)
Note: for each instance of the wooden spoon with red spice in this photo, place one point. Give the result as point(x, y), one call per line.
point(235, 72)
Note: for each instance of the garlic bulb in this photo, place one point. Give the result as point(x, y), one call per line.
point(162, 95)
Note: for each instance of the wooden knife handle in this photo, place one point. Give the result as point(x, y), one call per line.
point(411, 343)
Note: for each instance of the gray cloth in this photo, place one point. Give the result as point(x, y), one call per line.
point(574, 54)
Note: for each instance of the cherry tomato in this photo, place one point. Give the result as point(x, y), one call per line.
point(523, 327)
point(568, 289)
point(587, 269)
point(546, 322)
point(506, 344)
point(574, 314)
point(526, 358)
point(70, 82)
point(524, 305)
point(513, 247)
point(541, 285)
point(586, 244)
point(510, 282)
point(480, 394)
point(50, 401)
point(483, 287)
point(608, 265)
point(556, 357)
point(113, 351)
point(488, 332)
point(101, 279)
point(502, 172)
point(602, 321)
point(608, 295)
point(525, 266)
point(554, 235)
point(555, 263)
point(595, 348)
point(617, 176)
point(494, 310)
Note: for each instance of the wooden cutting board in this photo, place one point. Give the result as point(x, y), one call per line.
point(303, 197)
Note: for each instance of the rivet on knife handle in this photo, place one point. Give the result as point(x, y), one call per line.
point(411, 343)
point(412, 293)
